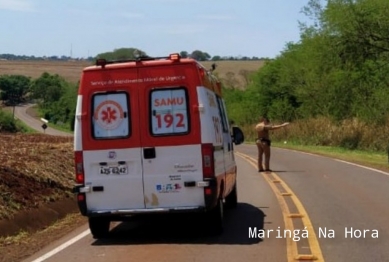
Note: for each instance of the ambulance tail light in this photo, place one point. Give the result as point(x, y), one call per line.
point(79, 165)
point(81, 197)
point(208, 160)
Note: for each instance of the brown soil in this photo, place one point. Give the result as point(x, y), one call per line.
point(70, 70)
point(34, 169)
point(36, 177)
point(42, 217)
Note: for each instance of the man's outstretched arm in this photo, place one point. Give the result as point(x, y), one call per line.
point(271, 127)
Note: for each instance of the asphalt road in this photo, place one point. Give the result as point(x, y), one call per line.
point(21, 114)
point(305, 191)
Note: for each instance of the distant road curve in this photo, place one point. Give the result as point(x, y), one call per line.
point(34, 123)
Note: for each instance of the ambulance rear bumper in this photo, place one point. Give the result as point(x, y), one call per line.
point(131, 212)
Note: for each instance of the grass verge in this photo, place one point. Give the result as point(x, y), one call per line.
point(64, 128)
point(35, 111)
point(10, 124)
point(25, 128)
point(378, 160)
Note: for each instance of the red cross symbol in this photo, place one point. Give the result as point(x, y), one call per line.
point(109, 115)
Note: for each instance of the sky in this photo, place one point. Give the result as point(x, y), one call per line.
point(82, 28)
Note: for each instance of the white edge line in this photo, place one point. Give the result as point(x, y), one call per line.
point(62, 247)
point(342, 161)
point(365, 167)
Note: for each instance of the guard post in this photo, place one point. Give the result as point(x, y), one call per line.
point(44, 126)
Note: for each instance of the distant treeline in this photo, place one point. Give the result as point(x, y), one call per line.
point(129, 53)
point(41, 58)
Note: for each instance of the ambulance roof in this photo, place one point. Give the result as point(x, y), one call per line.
point(142, 62)
point(209, 81)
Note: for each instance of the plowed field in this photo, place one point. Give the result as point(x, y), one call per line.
point(34, 169)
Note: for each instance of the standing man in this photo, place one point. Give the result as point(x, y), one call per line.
point(263, 141)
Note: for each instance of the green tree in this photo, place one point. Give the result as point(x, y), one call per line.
point(122, 54)
point(14, 87)
point(338, 69)
point(48, 88)
point(200, 55)
point(184, 54)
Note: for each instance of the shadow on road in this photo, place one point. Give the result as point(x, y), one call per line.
point(288, 171)
point(188, 229)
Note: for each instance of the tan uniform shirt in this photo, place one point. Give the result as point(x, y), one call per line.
point(262, 131)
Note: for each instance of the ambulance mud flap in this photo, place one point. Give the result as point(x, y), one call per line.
point(210, 194)
point(81, 198)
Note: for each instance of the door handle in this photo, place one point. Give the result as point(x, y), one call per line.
point(231, 146)
point(149, 153)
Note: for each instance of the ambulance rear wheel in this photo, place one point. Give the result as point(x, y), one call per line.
point(232, 198)
point(215, 219)
point(99, 227)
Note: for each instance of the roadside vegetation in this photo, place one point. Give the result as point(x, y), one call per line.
point(8, 124)
point(333, 84)
point(54, 96)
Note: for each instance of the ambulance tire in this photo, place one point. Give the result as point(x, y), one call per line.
point(215, 219)
point(99, 227)
point(232, 198)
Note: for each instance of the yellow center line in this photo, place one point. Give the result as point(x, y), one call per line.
point(292, 251)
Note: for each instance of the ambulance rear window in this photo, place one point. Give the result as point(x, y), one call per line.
point(110, 119)
point(169, 112)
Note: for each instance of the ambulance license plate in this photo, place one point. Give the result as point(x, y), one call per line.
point(113, 170)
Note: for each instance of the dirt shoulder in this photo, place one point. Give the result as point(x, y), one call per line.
point(42, 226)
point(36, 178)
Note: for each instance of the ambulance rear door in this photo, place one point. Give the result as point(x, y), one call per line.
point(170, 137)
point(111, 140)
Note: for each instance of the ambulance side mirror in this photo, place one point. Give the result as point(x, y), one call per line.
point(237, 135)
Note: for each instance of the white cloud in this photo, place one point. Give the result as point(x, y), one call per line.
point(17, 5)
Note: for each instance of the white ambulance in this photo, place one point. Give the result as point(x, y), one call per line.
point(152, 136)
